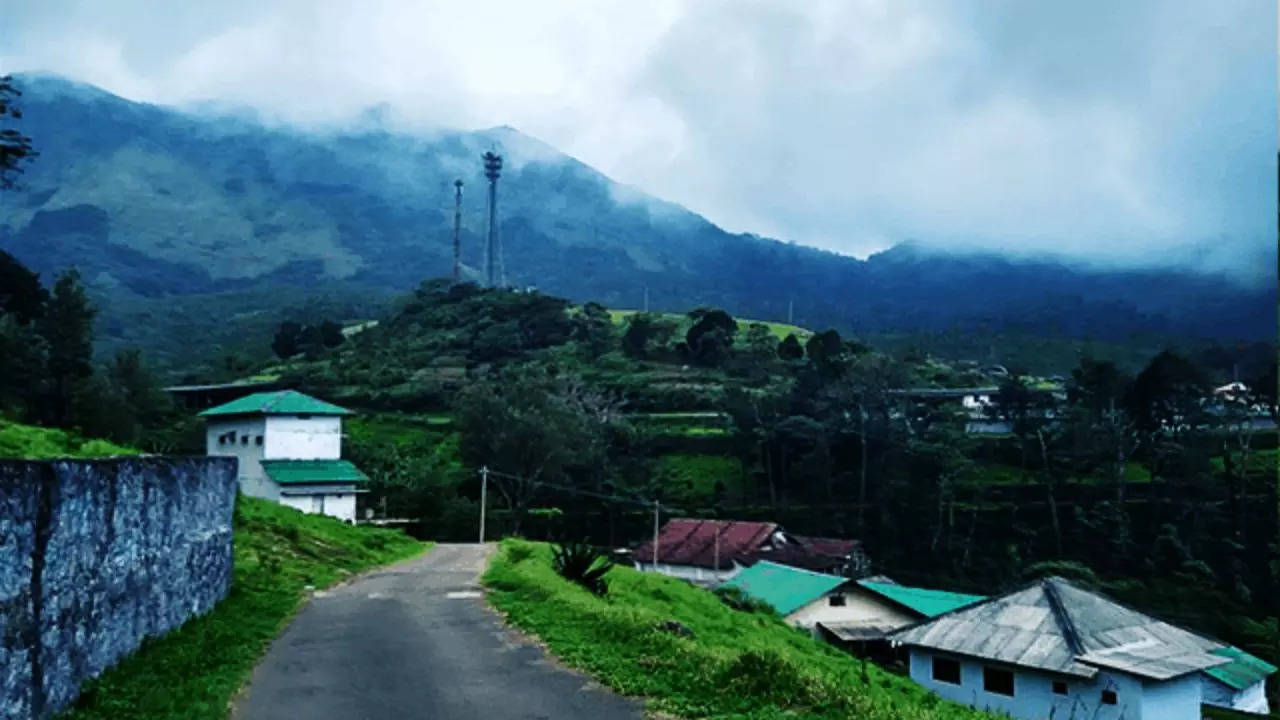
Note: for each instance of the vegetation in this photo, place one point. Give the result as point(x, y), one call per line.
point(28, 442)
point(192, 672)
point(725, 662)
point(580, 563)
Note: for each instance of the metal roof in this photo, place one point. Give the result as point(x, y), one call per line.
point(858, 631)
point(684, 541)
point(1243, 671)
point(281, 402)
point(313, 472)
point(1054, 626)
point(922, 601)
point(786, 588)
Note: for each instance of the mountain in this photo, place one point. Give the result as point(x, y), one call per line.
point(197, 230)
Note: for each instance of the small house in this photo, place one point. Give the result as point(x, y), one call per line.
point(1052, 649)
point(708, 552)
point(879, 606)
point(289, 447)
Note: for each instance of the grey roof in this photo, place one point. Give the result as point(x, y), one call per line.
point(1054, 626)
point(859, 631)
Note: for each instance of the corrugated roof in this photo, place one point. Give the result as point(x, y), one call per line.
point(684, 541)
point(786, 588)
point(280, 402)
point(1054, 626)
point(926, 602)
point(858, 631)
point(313, 472)
point(1243, 671)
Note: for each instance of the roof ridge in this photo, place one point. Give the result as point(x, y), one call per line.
point(279, 395)
point(1069, 631)
point(802, 570)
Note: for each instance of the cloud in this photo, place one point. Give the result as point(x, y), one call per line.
point(1135, 132)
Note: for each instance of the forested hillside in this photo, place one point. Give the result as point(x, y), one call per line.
point(196, 233)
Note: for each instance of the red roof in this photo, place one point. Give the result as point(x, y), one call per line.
point(810, 553)
point(684, 541)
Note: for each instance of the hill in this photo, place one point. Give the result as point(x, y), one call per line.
point(198, 232)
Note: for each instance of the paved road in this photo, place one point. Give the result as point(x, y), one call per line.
point(394, 644)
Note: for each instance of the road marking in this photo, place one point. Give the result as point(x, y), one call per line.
point(459, 594)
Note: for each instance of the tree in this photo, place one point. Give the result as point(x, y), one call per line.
point(67, 329)
point(710, 338)
point(21, 294)
point(646, 335)
point(287, 341)
point(15, 148)
point(593, 330)
point(1167, 396)
point(790, 349)
point(142, 404)
point(22, 367)
point(826, 352)
point(330, 334)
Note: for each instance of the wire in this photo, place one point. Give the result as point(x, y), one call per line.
point(586, 493)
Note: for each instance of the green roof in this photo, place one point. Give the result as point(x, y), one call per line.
point(929, 603)
point(1243, 671)
point(313, 472)
point(280, 402)
point(786, 588)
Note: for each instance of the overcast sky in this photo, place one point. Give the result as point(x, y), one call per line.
point(1110, 130)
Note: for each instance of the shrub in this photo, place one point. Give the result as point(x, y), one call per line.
point(738, 600)
point(583, 564)
point(519, 553)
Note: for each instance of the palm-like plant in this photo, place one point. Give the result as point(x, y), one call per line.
point(581, 563)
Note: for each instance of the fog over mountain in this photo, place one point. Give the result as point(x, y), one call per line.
point(1132, 134)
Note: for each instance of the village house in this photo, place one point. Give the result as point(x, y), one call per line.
point(855, 614)
point(708, 552)
point(1052, 649)
point(289, 447)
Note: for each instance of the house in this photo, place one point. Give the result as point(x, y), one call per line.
point(840, 608)
point(290, 450)
point(878, 606)
point(708, 552)
point(1052, 649)
point(1239, 685)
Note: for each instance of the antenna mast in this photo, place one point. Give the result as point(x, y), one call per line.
point(492, 170)
point(457, 231)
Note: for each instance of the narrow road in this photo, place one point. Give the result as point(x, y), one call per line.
point(411, 641)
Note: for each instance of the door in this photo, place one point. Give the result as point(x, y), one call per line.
point(317, 504)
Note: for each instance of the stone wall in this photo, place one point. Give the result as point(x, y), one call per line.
point(97, 555)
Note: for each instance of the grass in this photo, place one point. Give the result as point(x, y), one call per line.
point(28, 442)
point(193, 672)
point(780, 330)
point(737, 664)
point(694, 476)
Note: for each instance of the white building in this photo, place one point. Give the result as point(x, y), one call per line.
point(1055, 650)
point(289, 446)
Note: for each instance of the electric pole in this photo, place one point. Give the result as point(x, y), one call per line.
point(457, 231)
point(791, 311)
point(484, 486)
point(646, 298)
point(656, 506)
point(492, 170)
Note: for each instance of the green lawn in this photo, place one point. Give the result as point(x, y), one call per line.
point(736, 665)
point(779, 330)
point(192, 673)
point(33, 443)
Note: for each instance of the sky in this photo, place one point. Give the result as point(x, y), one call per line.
point(1136, 132)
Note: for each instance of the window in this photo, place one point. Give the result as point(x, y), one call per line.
point(835, 600)
point(258, 441)
point(1108, 697)
point(997, 681)
point(222, 439)
point(244, 439)
point(946, 670)
point(1059, 687)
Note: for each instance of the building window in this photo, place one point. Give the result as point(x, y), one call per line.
point(1108, 697)
point(946, 670)
point(258, 441)
point(835, 600)
point(222, 439)
point(244, 439)
point(997, 681)
point(1059, 687)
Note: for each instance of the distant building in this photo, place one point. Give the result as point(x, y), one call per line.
point(708, 552)
point(290, 450)
point(832, 606)
point(1052, 649)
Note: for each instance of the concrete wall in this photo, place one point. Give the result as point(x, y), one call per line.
point(95, 556)
point(1034, 699)
point(317, 437)
point(860, 606)
point(703, 576)
point(1174, 699)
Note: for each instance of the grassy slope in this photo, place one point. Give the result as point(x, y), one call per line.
point(737, 664)
point(779, 330)
point(192, 673)
point(32, 443)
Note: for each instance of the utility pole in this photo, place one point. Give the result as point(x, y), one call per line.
point(656, 506)
point(457, 231)
point(791, 311)
point(646, 298)
point(492, 170)
point(484, 486)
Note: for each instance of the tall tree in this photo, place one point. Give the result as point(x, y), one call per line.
point(142, 404)
point(15, 148)
point(21, 294)
point(67, 328)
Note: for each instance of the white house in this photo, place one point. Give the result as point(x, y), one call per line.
point(289, 446)
point(1054, 650)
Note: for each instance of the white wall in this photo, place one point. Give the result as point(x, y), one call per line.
point(253, 480)
point(1251, 699)
point(341, 505)
point(860, 605)
point(1033, 698)
point(289, 437)
point(691, 573)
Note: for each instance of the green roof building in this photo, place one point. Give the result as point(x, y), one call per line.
point(289, 446)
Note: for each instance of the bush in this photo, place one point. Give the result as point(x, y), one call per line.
point(582, 564)
point(738, 600)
